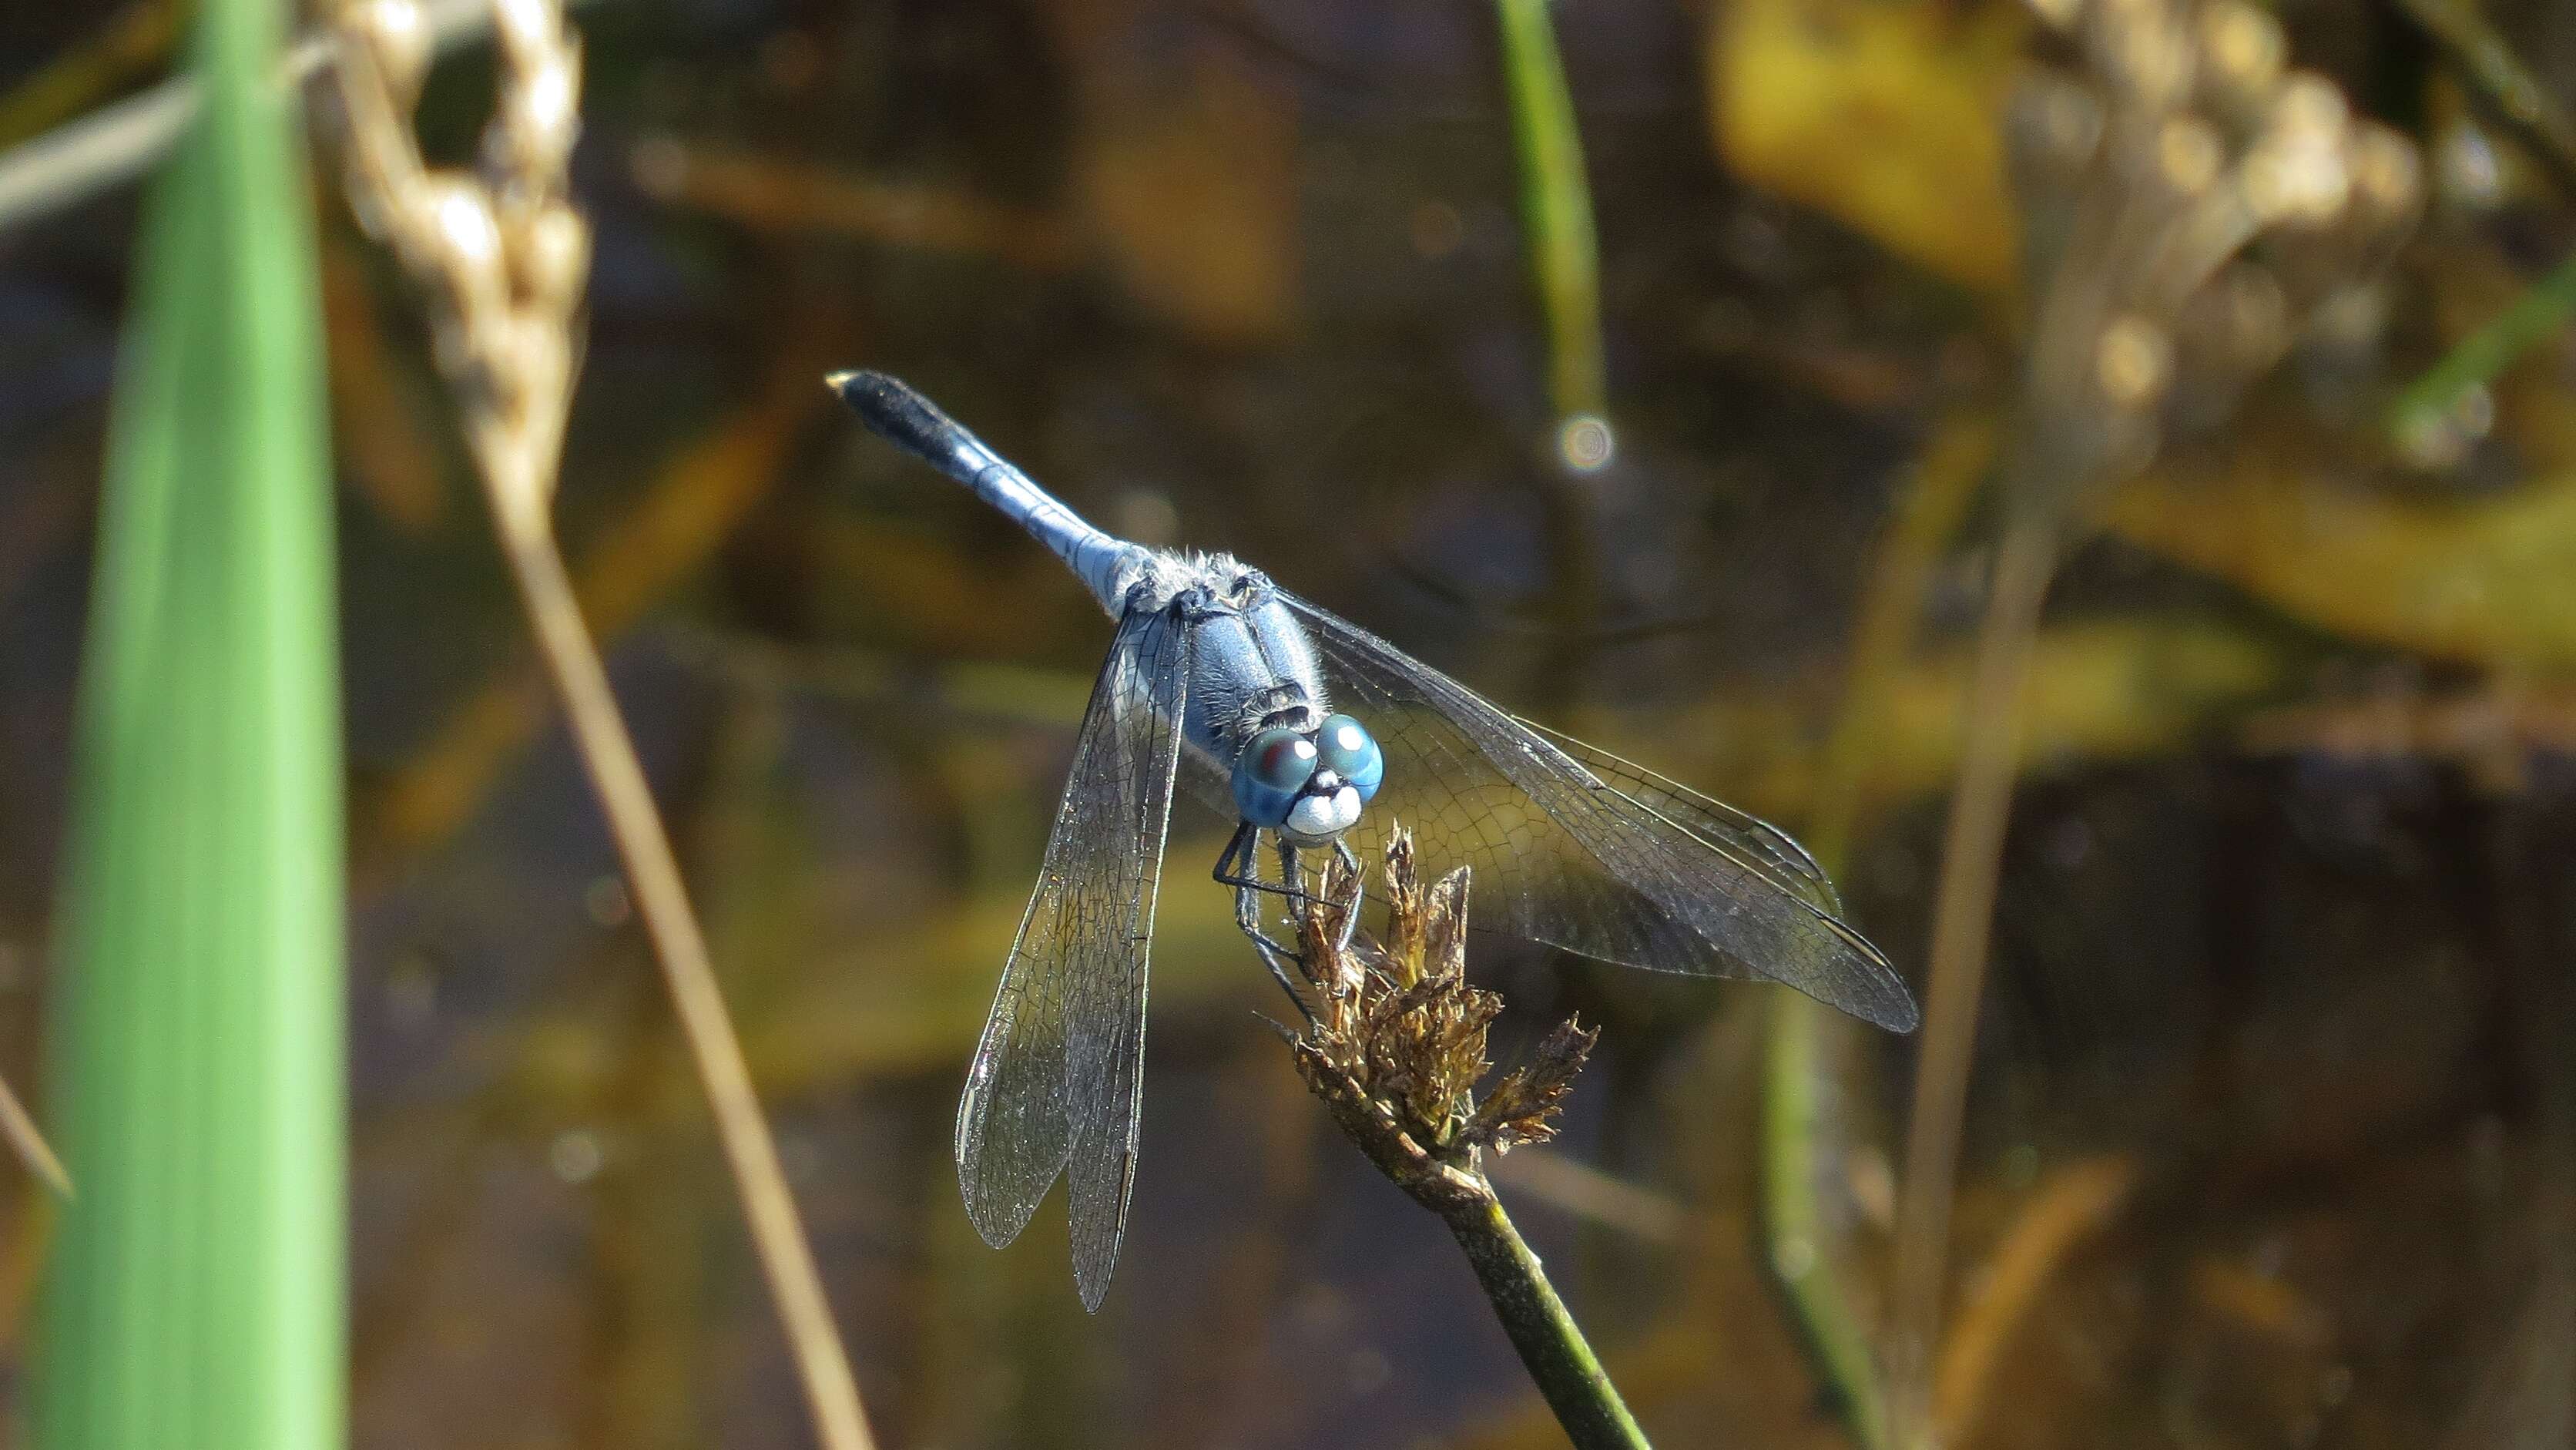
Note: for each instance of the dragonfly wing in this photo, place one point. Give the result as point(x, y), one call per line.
point(1057, 1081)
point(1624, 868)
point(1738, 833)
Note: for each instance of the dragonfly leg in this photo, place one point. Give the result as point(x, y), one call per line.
point(1245, 848)
point(1289, 867)
point(1350, 908)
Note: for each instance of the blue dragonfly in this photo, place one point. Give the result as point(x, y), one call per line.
point(1296, 722)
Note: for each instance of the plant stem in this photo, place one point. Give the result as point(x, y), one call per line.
point(1559, 1359)
point(1556, 207)
point(617, 777)
point(2483, 355)
point(1800, 1250)
point(1962, 923)
point(29, 1143)
point(197, 1075)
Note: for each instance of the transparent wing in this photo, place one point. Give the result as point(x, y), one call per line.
point(1733, 832)
point(1057, 1078)
point(1621, 866)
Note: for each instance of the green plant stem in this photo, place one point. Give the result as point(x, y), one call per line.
point(2483, 355)
point(1801, 1251)
point(196, 1294)
point(1556, 207)
point(1559, 1359)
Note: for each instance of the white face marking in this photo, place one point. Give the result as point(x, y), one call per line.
point(1346, 808)
point(1312, 815)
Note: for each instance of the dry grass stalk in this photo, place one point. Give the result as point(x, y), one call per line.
point(502, 256)
point(19, 1128)
point(1396, 1051)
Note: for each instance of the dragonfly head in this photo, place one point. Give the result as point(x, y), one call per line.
point(1308, 785)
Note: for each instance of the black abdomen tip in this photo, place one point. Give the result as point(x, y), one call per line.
point(894, 411)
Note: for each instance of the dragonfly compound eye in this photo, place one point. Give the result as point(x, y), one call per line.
point(1273, 769)
point(1344, 747)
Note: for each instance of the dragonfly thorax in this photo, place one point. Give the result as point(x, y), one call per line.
point(1256, 708)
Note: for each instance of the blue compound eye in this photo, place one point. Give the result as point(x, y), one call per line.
point(1345, 748)
point(1275, 766)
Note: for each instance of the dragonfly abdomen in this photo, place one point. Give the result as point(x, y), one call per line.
point(894, 411)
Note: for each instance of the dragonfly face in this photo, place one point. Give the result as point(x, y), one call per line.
point(1309, 785)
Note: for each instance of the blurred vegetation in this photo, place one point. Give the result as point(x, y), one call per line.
point(2272, 1133)
point(195, 1292)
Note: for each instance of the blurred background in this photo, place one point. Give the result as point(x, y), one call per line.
point(2271, 1135)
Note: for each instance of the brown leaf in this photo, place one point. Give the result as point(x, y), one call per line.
point(1522, 1107)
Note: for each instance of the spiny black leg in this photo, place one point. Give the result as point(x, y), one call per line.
point(1247, 912)
point(1244, 847)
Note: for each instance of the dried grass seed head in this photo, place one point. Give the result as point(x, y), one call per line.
point(2294, 174)
point(397, 42)
point(1402, 1042)
point(2242, 54)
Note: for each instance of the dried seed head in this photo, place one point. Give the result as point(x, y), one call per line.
point(2188, 154)
point(2053, 129)
point(2133, 363)
point(1444, 939)
point(2241, 55)
point(1407, 916)
point(548, 109)
point(1522, 1108)
point(2058, 15)
point(2141, 48)
point(2387, 179)
point(553, 259)
point(2295, 175)
point(397, 40)
point(1397, 1053)
point(449, 219)
point(523, 27)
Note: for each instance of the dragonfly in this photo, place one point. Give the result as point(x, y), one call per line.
point(1312, 733)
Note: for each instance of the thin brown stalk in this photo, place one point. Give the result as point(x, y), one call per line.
point(608, 755)
point(2063, 1216)
point(502, 258)
point(29, 1144)
point(1962, 923)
